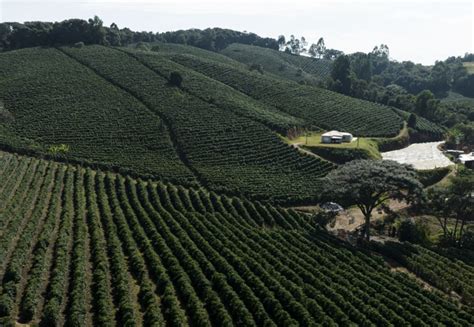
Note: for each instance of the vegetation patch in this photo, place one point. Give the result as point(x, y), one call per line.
point(430, 177)
point(194, 256)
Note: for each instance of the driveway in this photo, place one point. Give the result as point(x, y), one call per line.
point(420, 155)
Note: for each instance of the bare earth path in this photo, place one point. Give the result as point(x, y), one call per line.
point(420, 155)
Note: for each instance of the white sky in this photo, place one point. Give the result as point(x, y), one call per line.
point(418, 30)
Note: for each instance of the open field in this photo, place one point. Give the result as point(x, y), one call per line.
point(420, 155)
point(314, 140)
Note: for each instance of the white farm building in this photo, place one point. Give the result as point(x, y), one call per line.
point(336, 137)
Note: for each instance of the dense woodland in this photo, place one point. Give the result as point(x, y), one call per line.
point(29, 34)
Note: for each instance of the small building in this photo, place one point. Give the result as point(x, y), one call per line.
point(336, 137)
point(467, 160)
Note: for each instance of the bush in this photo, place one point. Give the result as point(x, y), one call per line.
point(412, 120)
point(323, 219)
point(142, 46)
point(467, 240)
point(432, 176)
point(256, 67)
point(412, 232)
point(340, 155)
point(176, 79)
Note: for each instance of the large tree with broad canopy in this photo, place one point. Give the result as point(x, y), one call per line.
point(369, 183)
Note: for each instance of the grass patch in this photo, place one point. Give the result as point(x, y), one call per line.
point(359, 148)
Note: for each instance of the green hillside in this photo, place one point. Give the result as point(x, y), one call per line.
point(55, 100)
point(424, 125)
point(292, 67)
point(82, 247)
point(228, 152)
point(115, 108)
point(317, 106)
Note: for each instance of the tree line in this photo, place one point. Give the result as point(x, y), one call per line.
point(411, 87)
point(15, 35)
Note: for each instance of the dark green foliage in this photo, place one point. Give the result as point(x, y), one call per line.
point(411, 232)
point(439, 269)
point(315, 105)
point(454, 201)
point(465, 85)
point(227, 151)
point(340, 73)
point(426, 103)
point(175, 79)
point(280, 63)
point(29, 34)
point(160, 255)
point(369, 183)
point(55, 100)
point(412, 120)
point(432, 176)
point(340, 155)
point(257, 67)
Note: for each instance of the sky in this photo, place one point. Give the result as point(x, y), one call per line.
point(422, 31)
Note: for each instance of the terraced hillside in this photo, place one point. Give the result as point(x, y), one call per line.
point(424, 126)
point(82, 247)
point(227, 151)
point(317, 106)
point(116, 109)
point(55, 100)
point(288, 66)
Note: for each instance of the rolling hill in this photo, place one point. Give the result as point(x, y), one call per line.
point(289, 66)
point(82, 247)
point(116, 109)
point(151, 185)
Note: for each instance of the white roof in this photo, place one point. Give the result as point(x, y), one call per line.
point(466, 157)
point(337, 134)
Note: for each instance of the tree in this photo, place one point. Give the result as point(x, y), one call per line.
point(320, 48)
point(413, 232)
point(295, 46)
point(455, 202)
point(332, 54)
point(96, 30)
point(361, 65)
point(176, 79)
point(281, 42)
point(381, 51)
point(426, 104)
point(369, 183)
point(113, 35)
point(440, 78)
point(412, 120)
point(465, 85)
point(341, 71)
point(317, 50)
